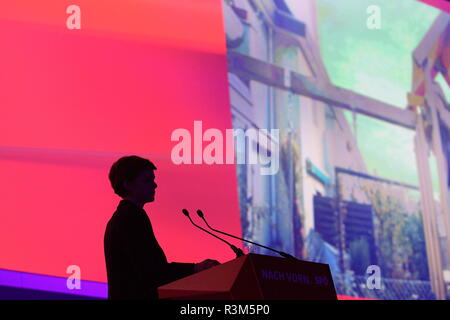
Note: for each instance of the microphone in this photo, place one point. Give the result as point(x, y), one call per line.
point(281, 253)
point(235, 249)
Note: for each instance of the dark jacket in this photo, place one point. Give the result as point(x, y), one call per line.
point(135, 263)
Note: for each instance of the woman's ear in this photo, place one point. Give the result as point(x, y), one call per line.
point(126, 185)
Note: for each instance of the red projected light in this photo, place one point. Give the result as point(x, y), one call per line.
point(73, 101)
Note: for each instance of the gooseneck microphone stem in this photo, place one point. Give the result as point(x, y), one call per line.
point(235, 249)
point(281, 253)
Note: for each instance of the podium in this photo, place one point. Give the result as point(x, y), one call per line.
point(255, 277)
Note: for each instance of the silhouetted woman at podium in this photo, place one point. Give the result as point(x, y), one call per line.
point(135, 263)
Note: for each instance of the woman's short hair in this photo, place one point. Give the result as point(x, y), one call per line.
point(127, 169)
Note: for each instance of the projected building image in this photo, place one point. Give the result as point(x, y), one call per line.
point(362, 112)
